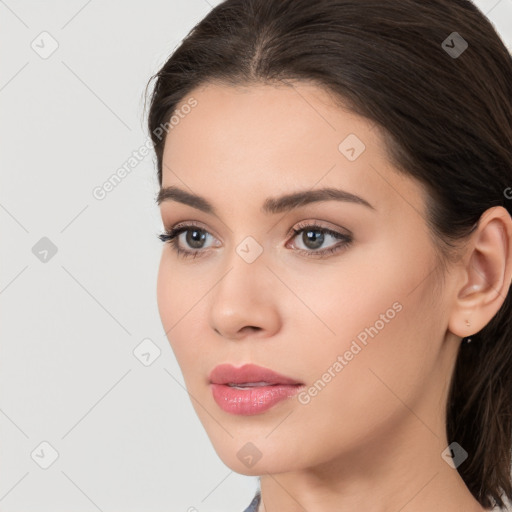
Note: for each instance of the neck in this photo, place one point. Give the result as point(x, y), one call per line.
point(403, 474)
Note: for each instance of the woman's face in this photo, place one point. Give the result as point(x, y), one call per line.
point(356, 317)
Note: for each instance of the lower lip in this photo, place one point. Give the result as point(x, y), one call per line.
point(253, 400)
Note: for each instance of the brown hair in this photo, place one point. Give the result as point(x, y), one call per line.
point(446, 113)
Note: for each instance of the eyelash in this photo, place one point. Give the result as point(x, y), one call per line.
point(170, 236)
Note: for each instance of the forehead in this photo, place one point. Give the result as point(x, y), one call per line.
point(265, 119)
point(266, 138)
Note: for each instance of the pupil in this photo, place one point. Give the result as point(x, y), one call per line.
point(317, 241)
point(195, 238)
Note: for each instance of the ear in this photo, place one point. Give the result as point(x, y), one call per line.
point(486, 274)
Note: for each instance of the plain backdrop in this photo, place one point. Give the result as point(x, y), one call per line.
point(93, 412)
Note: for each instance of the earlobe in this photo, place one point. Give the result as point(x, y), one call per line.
point(486, 274)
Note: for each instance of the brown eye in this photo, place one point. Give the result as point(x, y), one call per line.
point(193, 243)
point(195, 238)
point(313, 237)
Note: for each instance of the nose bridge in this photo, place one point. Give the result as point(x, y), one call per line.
point(244, 273)
point(243, 296)
point(245, 262)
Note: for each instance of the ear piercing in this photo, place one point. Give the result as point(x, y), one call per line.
point(467, 340)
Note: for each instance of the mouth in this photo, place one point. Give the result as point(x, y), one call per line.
point(249, 375)
point(244, 385)
point(252, 397)
point(250, 389)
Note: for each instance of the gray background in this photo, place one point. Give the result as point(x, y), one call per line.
point(124, 428)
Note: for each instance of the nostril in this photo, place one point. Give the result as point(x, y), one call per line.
point(251, 328)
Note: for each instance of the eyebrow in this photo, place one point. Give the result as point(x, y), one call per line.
point(272, 205)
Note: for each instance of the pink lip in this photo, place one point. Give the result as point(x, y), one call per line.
point(229, 374)
point(252, 399)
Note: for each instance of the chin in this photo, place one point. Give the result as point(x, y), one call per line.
point(254, 458)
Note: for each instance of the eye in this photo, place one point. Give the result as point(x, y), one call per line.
point(194, 237)
point(313, 236)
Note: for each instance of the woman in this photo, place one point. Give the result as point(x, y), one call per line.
point(335, 284)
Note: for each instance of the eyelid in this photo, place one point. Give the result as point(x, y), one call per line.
point(320, 224)
point(192, 223)
point(343, 240)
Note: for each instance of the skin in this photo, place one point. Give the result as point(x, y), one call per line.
point(372, 438)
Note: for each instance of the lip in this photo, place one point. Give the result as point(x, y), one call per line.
point(229, 374)
point(251, 399)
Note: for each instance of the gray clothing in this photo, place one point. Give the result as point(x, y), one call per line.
point(255, 503)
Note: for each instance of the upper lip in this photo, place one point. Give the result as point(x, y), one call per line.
point(229, 374)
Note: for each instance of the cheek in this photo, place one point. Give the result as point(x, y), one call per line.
point(381, 345)
point(360, 398)
point(164, 287)
point(366, 330)
point(177, 291)
point(174, 299)
point(338, 303)
point(182, 313)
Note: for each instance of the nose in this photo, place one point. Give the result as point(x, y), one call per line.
point(245, 302)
